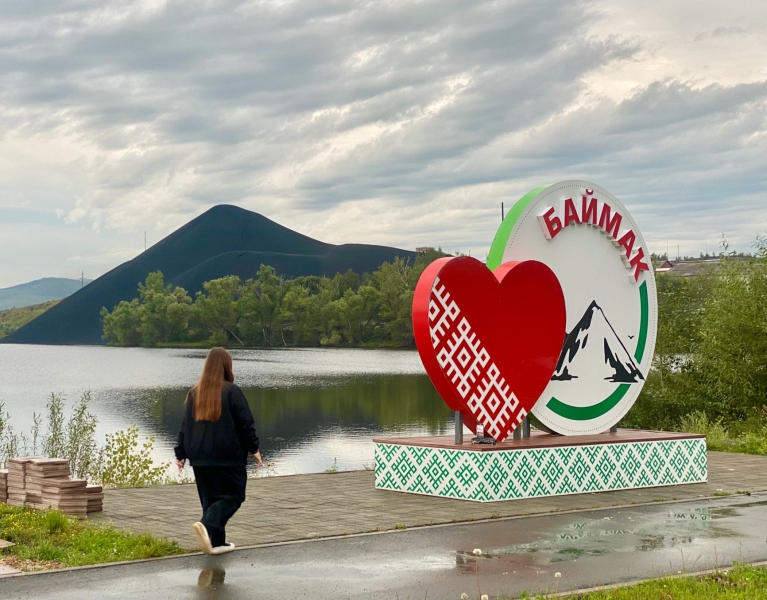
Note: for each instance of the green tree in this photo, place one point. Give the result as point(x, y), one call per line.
point(216, 310)
point(260, 306)
point(730, 357)
point(299, 312)
point(268, 310)
point(355, 313)
point(122, 327)
point(166, 310)
point(396, 282)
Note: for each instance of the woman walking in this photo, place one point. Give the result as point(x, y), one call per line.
point(216, 435)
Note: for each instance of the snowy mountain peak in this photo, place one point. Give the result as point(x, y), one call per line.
point(593, 348)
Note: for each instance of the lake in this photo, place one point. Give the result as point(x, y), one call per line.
point(315, 409)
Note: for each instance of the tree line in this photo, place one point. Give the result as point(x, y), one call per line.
point(711, 349)
point(269, 310)
point(710, 354)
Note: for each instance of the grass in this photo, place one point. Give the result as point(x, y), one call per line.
point(51, 539)
point(742, 582)
point(750, 439)
point(13, 318)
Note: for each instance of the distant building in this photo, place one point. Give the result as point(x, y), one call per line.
point(693, 268)
point(665, 267)
point(424, 249)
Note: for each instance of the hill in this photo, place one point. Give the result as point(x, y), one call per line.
point(38, 291)
point(225, 240)
point(12, 319)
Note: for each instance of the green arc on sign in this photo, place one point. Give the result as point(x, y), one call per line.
point(498, 247)
point(586, 413)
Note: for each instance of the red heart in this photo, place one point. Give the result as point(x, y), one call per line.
point(489, 341)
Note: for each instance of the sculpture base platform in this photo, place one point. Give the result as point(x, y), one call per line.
point(541, 465)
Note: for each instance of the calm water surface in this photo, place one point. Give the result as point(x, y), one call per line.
point(314, 408)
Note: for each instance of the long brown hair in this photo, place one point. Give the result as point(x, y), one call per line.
point(207, 393)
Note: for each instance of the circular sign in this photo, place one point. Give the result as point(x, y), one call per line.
point(588, 238)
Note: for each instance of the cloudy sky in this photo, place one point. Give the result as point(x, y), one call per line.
point(403, 123)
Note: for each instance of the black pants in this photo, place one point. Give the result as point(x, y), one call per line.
point(222, 491)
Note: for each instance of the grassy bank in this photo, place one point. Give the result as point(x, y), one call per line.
point(50, 540)
point(742, 582)
point(12, 319)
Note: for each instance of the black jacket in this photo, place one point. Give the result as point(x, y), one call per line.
point(222, 443)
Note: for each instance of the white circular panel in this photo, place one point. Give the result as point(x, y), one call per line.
point(588, 238)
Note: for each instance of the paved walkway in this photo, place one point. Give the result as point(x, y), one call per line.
point(585, 548)
point(322, 505)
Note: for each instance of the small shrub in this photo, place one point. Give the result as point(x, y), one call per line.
point(750, 443)
point(56, 522)
point(126, 464)
point(717, 436)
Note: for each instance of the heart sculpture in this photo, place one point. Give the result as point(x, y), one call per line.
point(489, 341)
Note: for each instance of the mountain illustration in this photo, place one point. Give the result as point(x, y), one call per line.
point(594, 347)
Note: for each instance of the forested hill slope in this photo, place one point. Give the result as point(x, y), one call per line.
point(225, 240)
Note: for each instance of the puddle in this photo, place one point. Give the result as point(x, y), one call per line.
point(626, 533)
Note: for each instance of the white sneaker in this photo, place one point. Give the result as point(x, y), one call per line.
point(228, 547)
point(203, 540)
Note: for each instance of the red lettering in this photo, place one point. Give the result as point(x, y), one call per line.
point(638, 265)
point(589, 212)
point(610, 226)
point(571, 216)
point(551, 226)
point(627, 242)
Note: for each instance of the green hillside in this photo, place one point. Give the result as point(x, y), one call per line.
point(13, 318)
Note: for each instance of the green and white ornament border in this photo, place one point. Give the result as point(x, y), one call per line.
point(497, 475)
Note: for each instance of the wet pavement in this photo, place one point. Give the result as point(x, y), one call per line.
point(281, 509)
point(524, 554)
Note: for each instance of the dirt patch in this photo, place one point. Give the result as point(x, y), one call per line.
point(27, 565)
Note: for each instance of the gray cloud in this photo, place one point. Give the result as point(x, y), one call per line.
point(398, 122)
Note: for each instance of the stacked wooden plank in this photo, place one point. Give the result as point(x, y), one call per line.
point(95, 496)
point(17, 468)
point(39, 471)
point(3, 485)
point(66, 495)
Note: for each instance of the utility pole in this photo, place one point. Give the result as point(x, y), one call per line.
point(502, 213)
point(82, 279)
point(677, 253)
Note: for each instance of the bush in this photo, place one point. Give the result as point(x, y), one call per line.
point(73, 439)
point(125, 464)
point(717, 436)
point(56, 521)
point(121, 462)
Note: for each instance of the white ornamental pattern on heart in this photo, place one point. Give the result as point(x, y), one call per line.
point(468, 365)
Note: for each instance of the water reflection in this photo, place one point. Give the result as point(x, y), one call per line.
point(211, 577)
point(312, 429)
point(315, 409)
